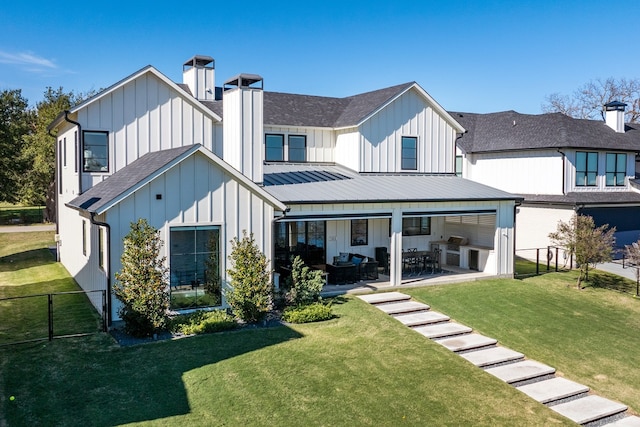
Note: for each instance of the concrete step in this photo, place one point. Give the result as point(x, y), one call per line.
point(402, 307)
point(589, 409)
point(492, 356)
point(421, 318)
point(467, 342)
point(385, 297)
point(521, 371)
point(442, 330)
point(554, 389)
point(630, 421)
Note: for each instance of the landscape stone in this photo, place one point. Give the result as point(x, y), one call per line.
point(402, 307)
point(384, 297)
point(441, 330)
point(589, 408)
point(421, 318)
point(467, 342)
point(521, 371)
point(553, 389)
point(492, 356)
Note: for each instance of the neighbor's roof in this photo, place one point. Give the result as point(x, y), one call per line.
point(578, 198)
point(327, 183)
point(509, 130)
point(321, 111)
point(127, 180)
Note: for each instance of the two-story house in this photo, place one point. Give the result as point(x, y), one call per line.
point(307, 175)
point(560, 165)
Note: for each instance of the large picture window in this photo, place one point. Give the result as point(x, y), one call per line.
point(586, 169)
point(409, 153)
point(194, 264)
point(274, 147)
point(359, 232)
point(96, 151)
point(303, 238)
point(297, 148)
point(418, 226)
point(616, 169)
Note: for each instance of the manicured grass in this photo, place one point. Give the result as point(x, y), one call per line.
point(590, 336)
point(363, 368)
point(27, 267)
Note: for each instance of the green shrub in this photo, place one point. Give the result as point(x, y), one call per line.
point(307, 313)
point(201, 322)
point(251, 293)
point(305, 284)
point(141, 285)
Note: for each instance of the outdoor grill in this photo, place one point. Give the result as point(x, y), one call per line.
point(453, 249)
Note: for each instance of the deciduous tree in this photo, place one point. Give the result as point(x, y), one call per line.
point(632, 253)
point(587, 243)
point(14, 125)
point(587, 101)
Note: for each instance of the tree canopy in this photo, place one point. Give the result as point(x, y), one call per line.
point(15, 124)
point(587, 101)
point(587, 243)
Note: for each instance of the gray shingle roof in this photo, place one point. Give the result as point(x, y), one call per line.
point(320, 111)
point(376, 188)
point(509, 130)
point(117, 184)
point(585, 198)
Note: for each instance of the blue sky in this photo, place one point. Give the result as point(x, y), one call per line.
point(477, 56)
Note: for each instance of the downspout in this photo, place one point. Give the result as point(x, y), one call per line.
point(80, 149)
point(107, 265)
point(55, 189)
point(564, 156)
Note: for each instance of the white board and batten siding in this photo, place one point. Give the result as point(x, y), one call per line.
point(533, 172)
point(147, 115)
point(194, 192)
point(379, 146)
point(534, 225)
point(320, 141)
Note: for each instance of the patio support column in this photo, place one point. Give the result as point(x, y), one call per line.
point(395, 267)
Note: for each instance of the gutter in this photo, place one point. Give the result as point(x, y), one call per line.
point(107, 315)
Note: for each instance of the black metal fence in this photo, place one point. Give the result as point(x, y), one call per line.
point(537, 261)
point(42, 317)
point(20, 215)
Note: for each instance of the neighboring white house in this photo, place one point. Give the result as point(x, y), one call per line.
point(560, 165)
point(307, 175)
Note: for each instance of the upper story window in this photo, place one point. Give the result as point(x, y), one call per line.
point(459, 165)
point(96, 151)
point(297, 148)
point(409, 153)
point(274, 147)
point(586, 169)
point(616, 169)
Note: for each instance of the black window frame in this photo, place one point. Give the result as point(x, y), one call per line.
point(423, 226)
point(267, 136)
point(359, 232)
point(302, 149)
point(404, 151)
point(85, 160)
point(617, 175)
point(583, 174)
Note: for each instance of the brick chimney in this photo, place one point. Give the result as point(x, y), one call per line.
point(614, 115)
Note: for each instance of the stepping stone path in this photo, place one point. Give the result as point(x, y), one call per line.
point(535, 379)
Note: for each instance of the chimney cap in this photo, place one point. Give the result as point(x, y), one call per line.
point(244, 80)
point(199, 61)
point(614, 106)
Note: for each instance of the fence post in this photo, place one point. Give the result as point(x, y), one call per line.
point(50, 300)
point(537, 261)
point(556, 259)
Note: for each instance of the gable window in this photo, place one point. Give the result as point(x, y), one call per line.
point(616, 169)
point(274, 147)
point(297, 148)
point(194, 265)
point(96, 151)
point(418, 226)
point(359, 232)
point(409, 153)
point(60, 166)
point(586, 169)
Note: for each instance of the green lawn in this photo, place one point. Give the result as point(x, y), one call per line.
point(591, 336)
point(362, 368)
